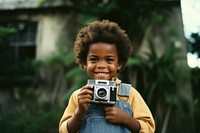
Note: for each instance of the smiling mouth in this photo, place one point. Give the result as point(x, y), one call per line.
point(101, 73)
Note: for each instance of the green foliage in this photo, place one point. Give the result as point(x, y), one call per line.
point(80, 78)
point(62, 57)
point(134, 62)
point(196, 94)
point(161, 75)
point(167, 74)
point(159, 81)
point(74, 76)
point(26, 99)
point(37, 122)
point(27, 116)
point(6, 32)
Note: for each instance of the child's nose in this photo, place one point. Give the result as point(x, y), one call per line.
point(101, 64)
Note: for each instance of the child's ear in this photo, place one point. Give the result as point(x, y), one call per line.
point(119, 66)
point(84, 66)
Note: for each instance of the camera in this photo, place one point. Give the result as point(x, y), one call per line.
point(104, 91)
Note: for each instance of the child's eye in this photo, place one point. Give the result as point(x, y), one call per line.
point(93, 59)
point(110, 60)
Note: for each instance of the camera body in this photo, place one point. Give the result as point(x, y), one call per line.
point(104, 91)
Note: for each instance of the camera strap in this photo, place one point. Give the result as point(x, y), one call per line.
point(124, 89)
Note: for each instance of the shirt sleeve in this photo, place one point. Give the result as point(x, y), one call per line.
point(72, 104)
point(141, 112)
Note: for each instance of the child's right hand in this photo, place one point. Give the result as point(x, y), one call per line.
point(84, 99)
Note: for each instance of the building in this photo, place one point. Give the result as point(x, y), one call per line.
point(39, 31)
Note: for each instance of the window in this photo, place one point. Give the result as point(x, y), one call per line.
point(17, 50)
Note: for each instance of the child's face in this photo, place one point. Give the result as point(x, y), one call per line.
point(102, 61)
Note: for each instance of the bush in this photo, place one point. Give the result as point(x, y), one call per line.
point(39, 122)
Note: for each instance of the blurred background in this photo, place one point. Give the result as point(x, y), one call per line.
point(38, 72)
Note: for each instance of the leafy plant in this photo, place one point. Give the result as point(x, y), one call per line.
point(37, 122)
point(161, 77)
point(62, 74)
point(163, 74)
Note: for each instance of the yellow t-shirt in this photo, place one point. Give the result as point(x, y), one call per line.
point(140, 110)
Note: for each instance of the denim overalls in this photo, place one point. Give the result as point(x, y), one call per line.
point(95, 122)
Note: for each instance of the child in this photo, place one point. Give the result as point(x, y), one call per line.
point(102, 48)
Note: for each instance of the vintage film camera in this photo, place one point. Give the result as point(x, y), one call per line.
point(104, 91)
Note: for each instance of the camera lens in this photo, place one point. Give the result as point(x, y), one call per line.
point(101, 92)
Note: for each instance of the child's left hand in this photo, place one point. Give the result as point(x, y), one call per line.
point(115, 115)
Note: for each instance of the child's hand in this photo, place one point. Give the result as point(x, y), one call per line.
point(84, 98)
point(116, 115)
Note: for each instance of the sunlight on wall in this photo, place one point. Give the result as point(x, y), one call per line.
point(191, 22)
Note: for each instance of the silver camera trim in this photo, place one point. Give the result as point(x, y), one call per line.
point(106, 97)
point(107, 85)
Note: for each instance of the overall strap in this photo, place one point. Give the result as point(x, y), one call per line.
point(124, 89)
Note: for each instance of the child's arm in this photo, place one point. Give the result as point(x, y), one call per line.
point(118, 116)
point(84, 98)
point(74, 122)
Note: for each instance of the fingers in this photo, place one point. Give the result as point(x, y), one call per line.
point(85, 95)
point(84, 99)
point(114, 114)
point(110, 110)
point(86, 90)
point(110, 114)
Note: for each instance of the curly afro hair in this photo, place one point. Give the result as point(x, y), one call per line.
point(102, 31)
